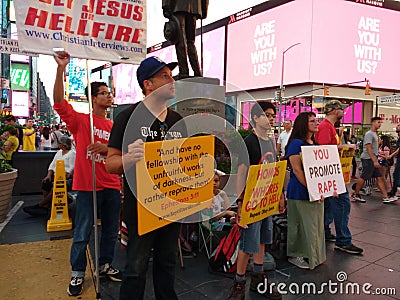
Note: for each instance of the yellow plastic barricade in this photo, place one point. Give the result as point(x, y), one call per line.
point(59, 219)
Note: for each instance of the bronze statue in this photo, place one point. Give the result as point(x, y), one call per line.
point(185, 13)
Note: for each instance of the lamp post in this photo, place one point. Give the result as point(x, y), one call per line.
point(281, 88)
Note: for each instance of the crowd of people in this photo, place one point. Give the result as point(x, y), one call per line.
point(116, 152)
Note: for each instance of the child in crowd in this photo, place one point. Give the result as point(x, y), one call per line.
point(220, 206)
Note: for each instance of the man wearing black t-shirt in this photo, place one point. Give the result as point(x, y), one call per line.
point(146, 121)
point(260, 149)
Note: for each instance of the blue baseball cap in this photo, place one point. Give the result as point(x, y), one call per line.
point(151, 66)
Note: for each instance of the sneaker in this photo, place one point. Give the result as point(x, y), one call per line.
point(270, 293)
point(357, 198)
point(108, 271)
point(389, 199)
point(75, 286)
point(299, 262)
point(366, 191)
point(36, 210)
point(330, 238)
point(238, 290)
point(349, 249)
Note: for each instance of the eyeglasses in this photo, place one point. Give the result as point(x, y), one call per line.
point(269, 116)
point(104, 93)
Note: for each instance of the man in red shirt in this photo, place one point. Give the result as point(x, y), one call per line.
point(336, 208)
point(107, 185)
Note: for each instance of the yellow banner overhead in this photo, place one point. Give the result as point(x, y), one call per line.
point(263, 191)
point(59, 219)
point(174, 180)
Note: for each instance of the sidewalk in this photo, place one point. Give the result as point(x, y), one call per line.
point(31, 274)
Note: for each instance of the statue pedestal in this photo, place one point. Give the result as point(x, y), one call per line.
point(204, 96)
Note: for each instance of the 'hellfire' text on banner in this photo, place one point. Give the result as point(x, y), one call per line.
point(107, 30)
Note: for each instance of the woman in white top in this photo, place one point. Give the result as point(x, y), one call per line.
point(46, 138)
point(220, 202)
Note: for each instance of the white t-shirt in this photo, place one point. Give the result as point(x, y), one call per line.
point(46, 143)
point(69, 161)
point(218, 204)
point(283, 139)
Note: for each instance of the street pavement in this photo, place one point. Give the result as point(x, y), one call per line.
point(374, 226)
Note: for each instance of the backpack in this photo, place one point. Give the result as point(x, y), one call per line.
point(223, 259)
point(278, 247)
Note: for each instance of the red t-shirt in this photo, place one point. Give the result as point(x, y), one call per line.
point(326, 134)
point(79, 125)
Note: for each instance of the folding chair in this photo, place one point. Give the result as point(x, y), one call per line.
point(210, 232)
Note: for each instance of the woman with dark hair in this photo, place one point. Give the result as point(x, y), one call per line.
point(383, 152)
point(46, 138)
point(306, 237)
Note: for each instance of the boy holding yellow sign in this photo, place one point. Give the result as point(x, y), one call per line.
point(259, 149)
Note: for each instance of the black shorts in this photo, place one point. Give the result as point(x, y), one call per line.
point(369, 170)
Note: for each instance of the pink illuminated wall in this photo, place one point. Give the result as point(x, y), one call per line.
point(289, 111)
point(126, 88)
point(341, 42)
point(358, 113)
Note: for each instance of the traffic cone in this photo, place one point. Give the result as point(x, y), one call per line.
point(59, 219)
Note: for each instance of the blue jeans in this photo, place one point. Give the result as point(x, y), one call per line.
point(108, 206)
point(396, 177)
point(339, 208)
point(164, 242)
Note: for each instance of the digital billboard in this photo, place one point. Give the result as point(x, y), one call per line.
point(20, 104)
point(213, 59)
point(340, 42)
point(20, 77)
point(363, 44)
point(255, 47)
point(14, 36)
point(76, 79)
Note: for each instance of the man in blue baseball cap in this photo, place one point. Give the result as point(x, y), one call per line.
point(150, 67)
point(146, 121)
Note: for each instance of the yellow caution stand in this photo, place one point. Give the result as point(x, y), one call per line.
point(59, 219)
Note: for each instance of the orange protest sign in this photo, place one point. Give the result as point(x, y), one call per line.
point(346, 159)
point(174, 180)
point(263, 191)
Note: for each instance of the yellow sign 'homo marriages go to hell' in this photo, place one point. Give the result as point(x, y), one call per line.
point(263, 191)
point(174, 180)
